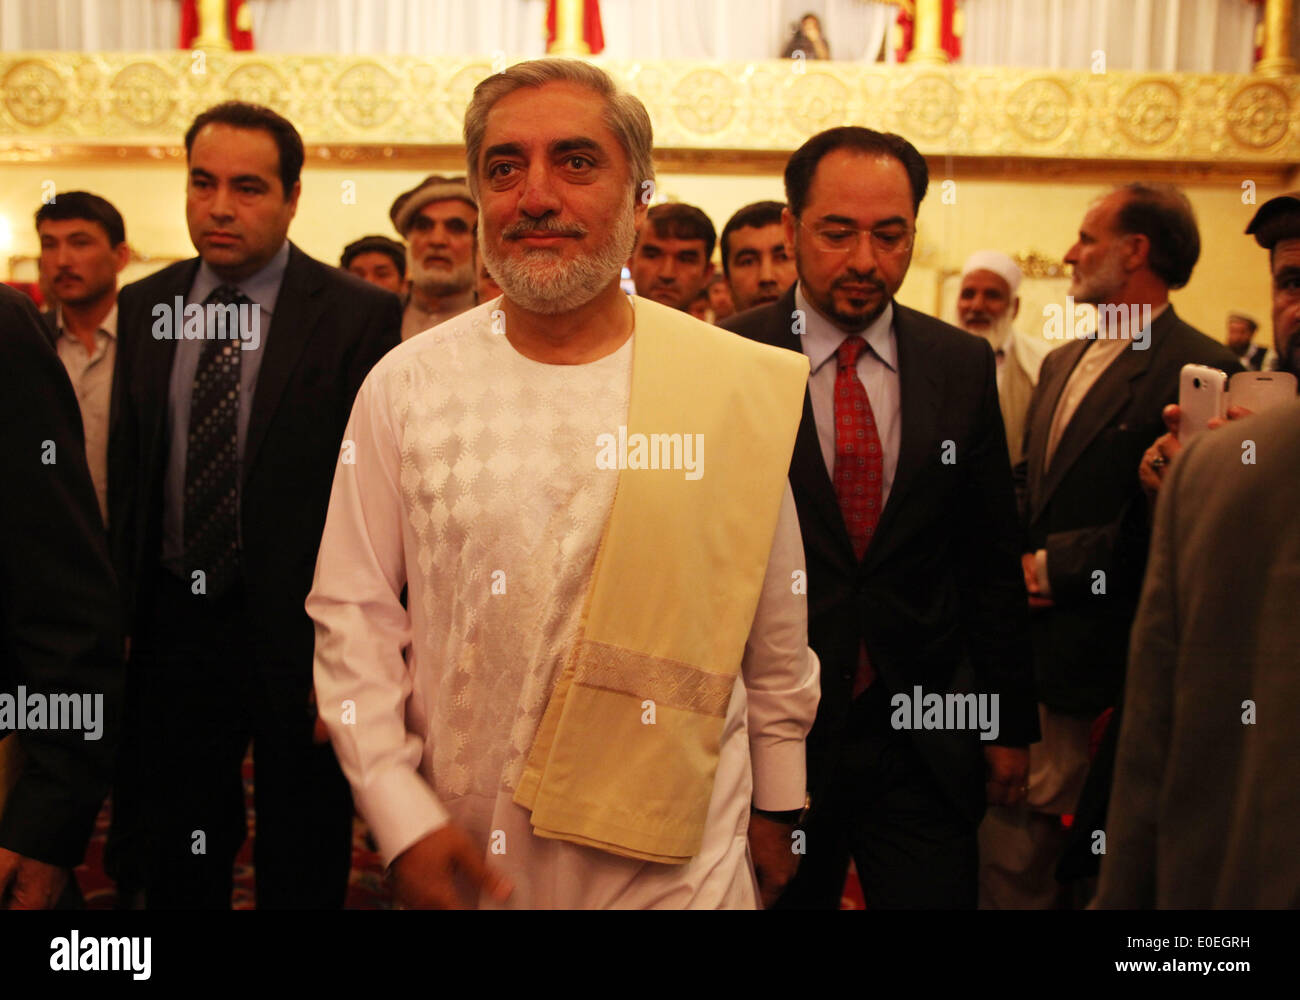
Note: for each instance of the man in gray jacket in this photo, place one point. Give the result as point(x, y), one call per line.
point(1205, 803)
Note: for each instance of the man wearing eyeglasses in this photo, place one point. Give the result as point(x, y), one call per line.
point(916, 600)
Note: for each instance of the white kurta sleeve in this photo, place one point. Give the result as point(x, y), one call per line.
point(781, 672)
point(362, 630)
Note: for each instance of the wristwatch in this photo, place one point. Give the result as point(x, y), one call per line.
point(788, 817)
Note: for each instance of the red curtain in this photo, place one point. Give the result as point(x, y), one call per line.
point(591, 30)
point(239, 25)
point(949, 40)
point(1259, 28)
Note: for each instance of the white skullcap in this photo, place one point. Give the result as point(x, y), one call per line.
point(997, 262)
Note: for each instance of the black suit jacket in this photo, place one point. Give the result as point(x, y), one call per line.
point(59, 606)
point(1088, 510)
point(939, 597)
point(327, 331)
point(50, 319)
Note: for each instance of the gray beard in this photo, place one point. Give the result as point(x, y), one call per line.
point(542, 283)
point(439, 284)
point(1104, 285)
point(997, 333)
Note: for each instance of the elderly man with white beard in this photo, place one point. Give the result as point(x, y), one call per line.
point(987, 304)
point(598, 691)
point(437, 218)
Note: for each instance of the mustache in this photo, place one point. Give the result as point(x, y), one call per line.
point(550, 227)
point(858, 279)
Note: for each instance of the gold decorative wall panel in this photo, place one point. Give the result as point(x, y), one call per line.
point(715, 115)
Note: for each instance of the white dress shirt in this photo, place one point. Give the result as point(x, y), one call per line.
point(475, 484)
point(91, 373)
point(877, 369)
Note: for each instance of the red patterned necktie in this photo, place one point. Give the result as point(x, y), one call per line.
point(859, 463)
point(858, 458)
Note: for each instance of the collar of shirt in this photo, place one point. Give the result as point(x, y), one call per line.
point(1155, 315)
point(107, 326)
point(822, 338)
point(262, 287)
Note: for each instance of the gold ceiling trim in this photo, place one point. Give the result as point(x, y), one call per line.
point(718, 115)
point(731, 163)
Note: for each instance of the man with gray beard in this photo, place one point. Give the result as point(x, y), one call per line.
point(986, 306)
point(602, 665)
point(541, 280)
point(437, 218)
point(1097, 405)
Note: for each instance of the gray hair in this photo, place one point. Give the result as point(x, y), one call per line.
point(624, 114)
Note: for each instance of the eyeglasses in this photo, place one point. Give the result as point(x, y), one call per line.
point(836, 239)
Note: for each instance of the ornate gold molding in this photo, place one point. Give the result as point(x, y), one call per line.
point(720, 115)
point(1033, 264)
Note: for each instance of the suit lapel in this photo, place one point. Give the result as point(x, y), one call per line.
point(1050, 389)
point(297, 311)
point(155, 359)
point(1103, 402)
point(920, 393)
point(809, 479)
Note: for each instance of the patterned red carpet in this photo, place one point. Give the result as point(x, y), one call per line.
point(366, 889)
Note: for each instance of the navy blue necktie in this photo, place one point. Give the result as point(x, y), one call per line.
point(211, 516)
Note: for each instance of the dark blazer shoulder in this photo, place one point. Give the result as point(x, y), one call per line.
point(773, 324)
point(19, 319)
point(359, 294)
point(165, 281)
point(770, 324)
point(1187, 341)
point(176, 278)
point(913, 322)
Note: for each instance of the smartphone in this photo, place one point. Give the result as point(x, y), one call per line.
point(1202, 396)
point(1260, 391)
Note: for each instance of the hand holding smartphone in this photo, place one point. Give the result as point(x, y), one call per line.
point(1202, 396)
point(1260, 391)
point(1205, 393)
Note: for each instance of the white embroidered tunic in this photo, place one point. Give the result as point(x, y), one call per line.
point(469, 474)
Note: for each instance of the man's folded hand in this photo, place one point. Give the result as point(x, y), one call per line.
point(424, 875)
point(28, 884)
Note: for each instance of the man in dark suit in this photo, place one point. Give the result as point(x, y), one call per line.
point(902, 481)
point(60, 622)
point(222, 463)
point(1096, 408)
